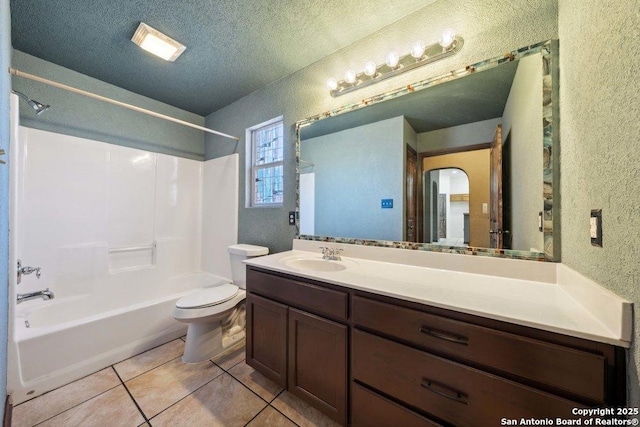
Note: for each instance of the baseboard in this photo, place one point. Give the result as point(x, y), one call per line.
point(8, 412)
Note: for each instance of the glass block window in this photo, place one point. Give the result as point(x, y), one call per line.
point(266, 173)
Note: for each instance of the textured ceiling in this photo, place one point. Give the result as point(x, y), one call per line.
point(473, 98)
point(234, 47)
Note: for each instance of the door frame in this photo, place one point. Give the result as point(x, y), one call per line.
point(434, 153)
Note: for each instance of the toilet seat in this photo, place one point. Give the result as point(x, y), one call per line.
point(208, 297)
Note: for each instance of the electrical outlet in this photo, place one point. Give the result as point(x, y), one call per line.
point(595, 227)
point(485, 208)
point(292, 218)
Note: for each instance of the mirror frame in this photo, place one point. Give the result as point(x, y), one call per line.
point(550, 148)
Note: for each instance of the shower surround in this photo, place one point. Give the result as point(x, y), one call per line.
point(120, 234)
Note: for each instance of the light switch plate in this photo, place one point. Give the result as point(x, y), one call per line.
point(595, 227)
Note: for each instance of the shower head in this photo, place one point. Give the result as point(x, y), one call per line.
point(37, 106)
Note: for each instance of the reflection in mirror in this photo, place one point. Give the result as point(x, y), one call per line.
point(447, 207)
point(361, 167)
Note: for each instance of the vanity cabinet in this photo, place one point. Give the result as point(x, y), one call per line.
point(465, 370)
point(394, 362)
point(267, 337)
point(297, 336)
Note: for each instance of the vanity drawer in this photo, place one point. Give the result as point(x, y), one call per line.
point(316, 299)
point(578, 372)
point(452, 392)
point(369, 409)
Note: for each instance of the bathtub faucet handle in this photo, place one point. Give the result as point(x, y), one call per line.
point(23, 271)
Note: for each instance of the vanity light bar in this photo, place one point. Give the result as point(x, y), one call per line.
point(420, 55)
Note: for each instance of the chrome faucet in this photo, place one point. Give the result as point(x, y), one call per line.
point(331, 254)
point(23, 271)
point(45, 295)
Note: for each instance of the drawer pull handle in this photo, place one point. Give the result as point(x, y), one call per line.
point(444, 391)
point(445, 336)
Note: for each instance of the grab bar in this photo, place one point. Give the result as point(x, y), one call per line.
point(151, 247)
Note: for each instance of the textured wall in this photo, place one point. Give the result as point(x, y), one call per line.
point(458, 136)
point(77, 115)
point(600, 132)
point(5, 86)
point(355, 169)
point(522, 118)
point(489, 28)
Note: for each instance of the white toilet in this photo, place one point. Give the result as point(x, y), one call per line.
point(216, 315)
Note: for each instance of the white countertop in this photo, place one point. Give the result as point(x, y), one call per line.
point(538, 304)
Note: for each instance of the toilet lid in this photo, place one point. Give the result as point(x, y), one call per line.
point(208, 296)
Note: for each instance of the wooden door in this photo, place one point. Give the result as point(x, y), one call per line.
point(411, 195)
point(267, 338)
point(496, 227)
point(318, 363)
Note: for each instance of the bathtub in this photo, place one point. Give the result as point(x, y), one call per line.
point(61, 340)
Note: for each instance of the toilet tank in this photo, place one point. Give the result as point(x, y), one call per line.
point(237, 254)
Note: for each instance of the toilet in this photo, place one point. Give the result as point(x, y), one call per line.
point(216, 315)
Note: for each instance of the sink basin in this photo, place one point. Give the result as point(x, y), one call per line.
point(315, 264)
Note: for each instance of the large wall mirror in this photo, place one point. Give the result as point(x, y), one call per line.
point(460, 163)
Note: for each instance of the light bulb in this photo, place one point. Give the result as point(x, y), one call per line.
point(417, 50)
point(350, 77)
point(393, 59)
point(332, 84)
point(370, 68)
point(448, 37)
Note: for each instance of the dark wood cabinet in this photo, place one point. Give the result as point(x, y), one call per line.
point(295, 338)
point(555, 366)
point(370, 360)
point(267, 338)
point(465, 370)
point(450, 391)
point(370, 409)
point(318, 362)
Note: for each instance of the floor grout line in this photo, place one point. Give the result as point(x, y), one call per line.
point(249, 388)
point(256, 415)
point(280, 412)
point(190, 393)
point(147, 420)
point(132, 398)
point(78, 404)
point(57, 388)
point(148, 370)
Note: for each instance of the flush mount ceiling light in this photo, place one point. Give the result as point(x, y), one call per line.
point(419, 55)
point(155, 42)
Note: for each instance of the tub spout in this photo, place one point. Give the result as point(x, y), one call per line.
point(45, 295)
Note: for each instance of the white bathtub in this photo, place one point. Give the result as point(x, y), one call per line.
point(69, 338)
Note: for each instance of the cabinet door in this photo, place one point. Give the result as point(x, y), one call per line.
point(267, 338)
point(318, 363)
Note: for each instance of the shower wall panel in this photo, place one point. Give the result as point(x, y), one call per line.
point(130, 197)
point(80, 202)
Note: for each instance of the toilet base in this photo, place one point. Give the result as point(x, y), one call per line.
point(209, 340)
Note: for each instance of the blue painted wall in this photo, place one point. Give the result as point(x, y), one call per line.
point(84, 117)
point(489, 27)
point(348, 202)
point(5, 85)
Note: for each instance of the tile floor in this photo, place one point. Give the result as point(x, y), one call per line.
point(155, 388)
